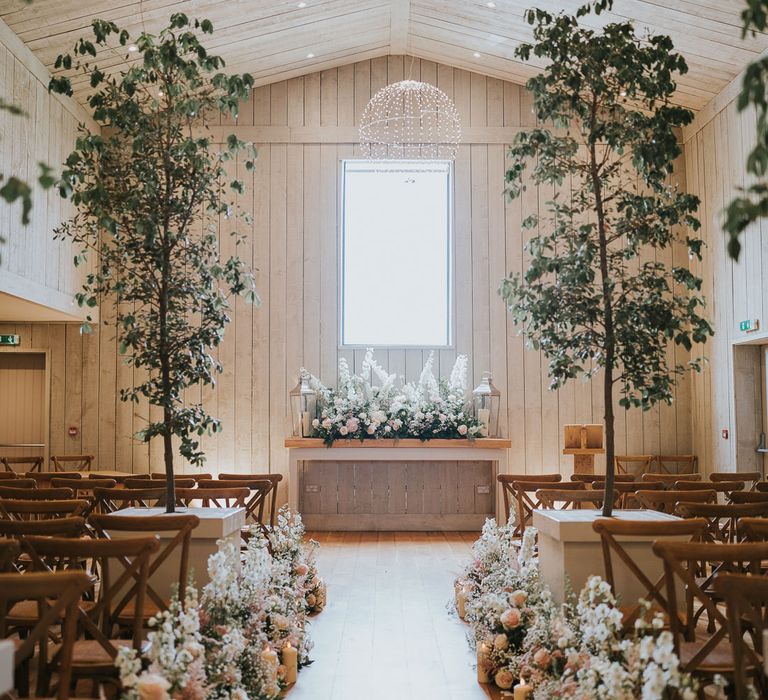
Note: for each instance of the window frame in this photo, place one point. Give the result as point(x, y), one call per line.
point(450, 252)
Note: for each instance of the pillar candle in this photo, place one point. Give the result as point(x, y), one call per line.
point(290, 657)
point(522, 690)
point(306, 424)
point(461, 603)
point(484, 417)
point(482, 664)
point(269, 655)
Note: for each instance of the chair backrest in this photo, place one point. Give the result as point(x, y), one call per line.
point(666, 501)
point(753, 529)
point(750, 478)
point(669, 479)
point(746, 599)
point(232, 497)
point(625, 491)
point(183, 483)
point(34, 494)
point(256, 504)
point(506, 481)
point(58, 595)
point(80, 463)
point(610, 529)
point(675, 464)
point(17, 483)
point(33, 464)
point(683, 564)
point(275, 479)
point(29, 509)
point(719, 486)
point(570, 499)
point(17, 531)
point(633, 464)
point(761, 486)
point(195, 477)
point(45, 477)
point(119, 562)
point(181, 525)
point(526, 501)
point(748, 497)
point(114, 499)
point(83, 487)
point(722, 520)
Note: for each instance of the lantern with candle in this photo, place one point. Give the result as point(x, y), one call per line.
point(303, 406)
point(486, 399)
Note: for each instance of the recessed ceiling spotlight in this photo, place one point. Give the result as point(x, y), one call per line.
point(310, 55)
point(476, 54)
point(301, 5)
point(133, 48)
point(491, 4)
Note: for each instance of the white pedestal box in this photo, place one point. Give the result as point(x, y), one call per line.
point(570, 551)
point(215, 524)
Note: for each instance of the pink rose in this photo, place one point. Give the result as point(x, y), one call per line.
point(327, 423)
point(518, 598)
point(371, 429)
point(343, 430)
point(504, 679)
point(301, 569)
point(462, 429)
point(542, 658)
point(510, 618)
point(352, 425)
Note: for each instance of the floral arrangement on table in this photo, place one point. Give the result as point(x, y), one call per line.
point(577, 650)
point(245, 636)
point(373, 405)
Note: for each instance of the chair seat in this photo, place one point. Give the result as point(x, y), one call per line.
point(89, 655)
point(126, 615)
point(25, 613)
point(718, 660)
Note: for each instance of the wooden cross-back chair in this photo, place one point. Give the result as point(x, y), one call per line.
point(84, 488)
point(722, 519)
point(753, 529)
point(179, 483)
point(120, 563)
point(747, 497)
point(44, 478)
point(18, 530)
point(751, 479)
point(612, 529)
point(56, 596)
point(232, 497)
point(625, 491)
point(274, 479)
point(78, 463)
point(718, 486)
point(746, 598)
point(666, 501)
point(526, 501)
point(507, 481)
point(592, 478)
point(570, 499)
point(115, 499)
point(195, 477)
point(705, 654)
point(675, 464)
point(29, 509)
point(633, 464)
point(17, 483)
point(36, 494)
point(180, 526)
point(256, 504)
point(32, 464)
point(668, 480)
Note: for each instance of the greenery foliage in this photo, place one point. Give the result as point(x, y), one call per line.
point(752, 203)
point(599, 295)
point(150, 192)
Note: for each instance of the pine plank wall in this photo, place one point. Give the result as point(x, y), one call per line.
point(305, 126)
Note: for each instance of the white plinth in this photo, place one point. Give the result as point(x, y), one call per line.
point(215, 524)
point(570, 551)
point(7, 648)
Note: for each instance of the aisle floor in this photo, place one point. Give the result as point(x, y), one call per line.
point(387, 631)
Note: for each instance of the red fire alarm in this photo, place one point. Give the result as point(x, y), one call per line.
point(724, 433)
point(72, 431)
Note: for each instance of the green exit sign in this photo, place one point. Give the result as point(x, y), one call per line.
point(749, 325)
point(10, 340)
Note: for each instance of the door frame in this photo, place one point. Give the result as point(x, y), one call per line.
point(47, 399)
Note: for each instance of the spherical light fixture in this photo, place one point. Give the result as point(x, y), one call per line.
point(410, 120)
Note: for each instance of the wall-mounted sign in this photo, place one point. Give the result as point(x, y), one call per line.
point(10, 340)
point(749, 325)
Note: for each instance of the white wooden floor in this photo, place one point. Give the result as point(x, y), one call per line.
point(386, 632)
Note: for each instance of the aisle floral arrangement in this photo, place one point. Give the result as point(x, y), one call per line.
point(374, 405)
point(577, 650)
point(245, 636)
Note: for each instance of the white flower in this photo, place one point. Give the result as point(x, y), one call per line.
point(343, 430)
point(315, 423)
point(462, 429)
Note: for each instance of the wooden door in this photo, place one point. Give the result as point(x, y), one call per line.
point(23, 405)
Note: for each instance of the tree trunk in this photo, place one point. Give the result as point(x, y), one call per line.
point(609, 440)
point(170, 484)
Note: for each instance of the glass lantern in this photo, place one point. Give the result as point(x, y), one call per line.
point(486, 399)
point(303, 407)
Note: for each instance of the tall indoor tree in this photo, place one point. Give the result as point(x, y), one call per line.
point(597, 297)
point(150, 192)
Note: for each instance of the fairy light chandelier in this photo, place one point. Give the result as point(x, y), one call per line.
point(410, 120)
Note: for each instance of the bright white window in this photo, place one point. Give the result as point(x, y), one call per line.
point(396, 261)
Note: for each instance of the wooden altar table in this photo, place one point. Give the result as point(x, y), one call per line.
point(395, 484)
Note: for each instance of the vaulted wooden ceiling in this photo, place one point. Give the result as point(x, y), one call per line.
point(279, 39)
